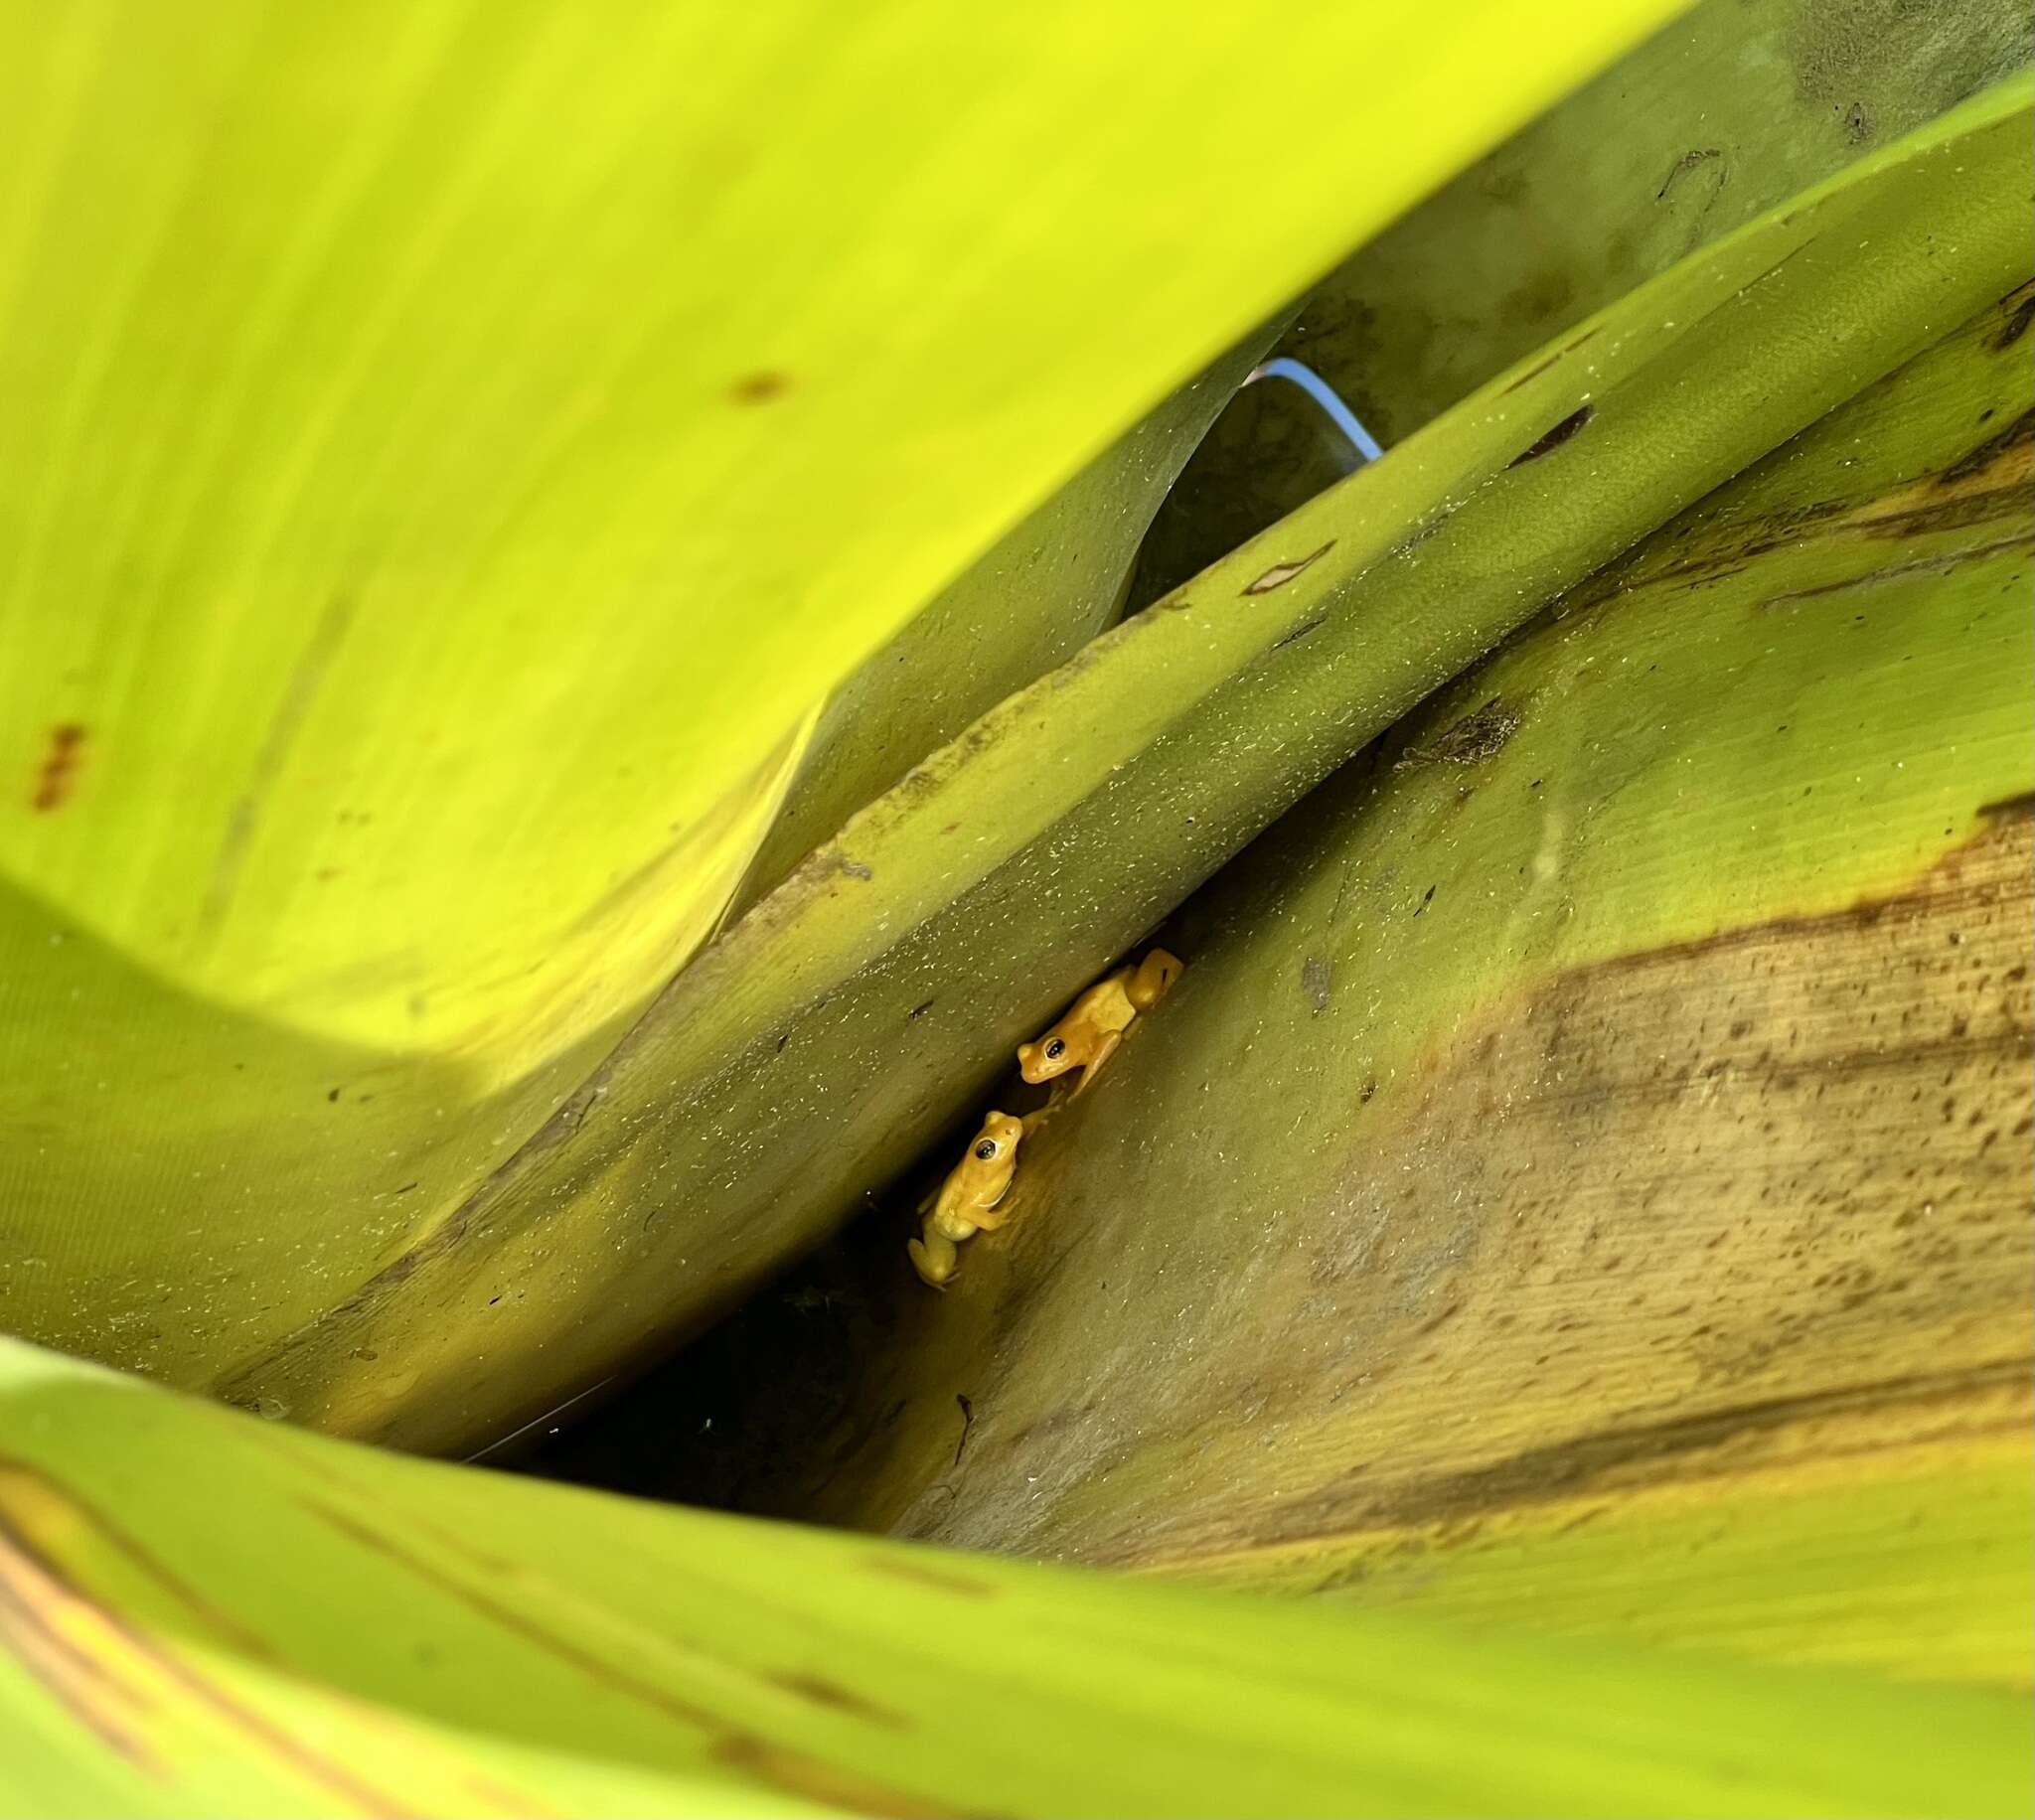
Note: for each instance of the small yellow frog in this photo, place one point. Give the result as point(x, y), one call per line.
point(1093, 1028)
point(962, 1206)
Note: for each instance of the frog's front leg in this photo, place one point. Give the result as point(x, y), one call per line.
point(983, 1212)
point(1104, 1049)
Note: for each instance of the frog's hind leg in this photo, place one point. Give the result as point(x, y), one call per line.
point(1154, 977)
point(934, 1257)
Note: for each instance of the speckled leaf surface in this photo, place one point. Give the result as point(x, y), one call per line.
point(812, 1050)
point(202, 1613)
point(448, 453)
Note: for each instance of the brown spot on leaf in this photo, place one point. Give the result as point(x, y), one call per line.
point(759, 388)
point(1280, 573)
point(1469, 741)
point(60, 762)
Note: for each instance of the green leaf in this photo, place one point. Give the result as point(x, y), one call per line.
point(451, 450)
point(349, 1631)
point(880, 990)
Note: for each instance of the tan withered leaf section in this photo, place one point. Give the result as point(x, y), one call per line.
point(1584, 1172)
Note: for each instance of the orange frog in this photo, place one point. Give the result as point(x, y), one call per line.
point(1093, 1028)
point(963, 1204)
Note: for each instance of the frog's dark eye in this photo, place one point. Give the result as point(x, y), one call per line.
point(1054, 1050)
point(986, 1148)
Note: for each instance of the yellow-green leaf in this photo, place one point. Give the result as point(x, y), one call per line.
point(202, 1614)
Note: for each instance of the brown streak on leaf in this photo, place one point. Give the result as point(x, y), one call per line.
point(825, 1693)
point(2017, 324)
point(19, 1482)
point(30, 1607)
point(596, 1668)
point(2018, 434)
point(1900, 572)
point(1562, 1469)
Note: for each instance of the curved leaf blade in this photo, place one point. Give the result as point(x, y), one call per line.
point(351, 1630)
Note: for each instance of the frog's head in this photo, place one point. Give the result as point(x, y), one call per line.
point(1046, 1059)
point(997, 1138)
